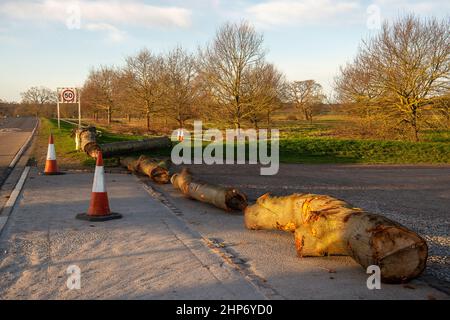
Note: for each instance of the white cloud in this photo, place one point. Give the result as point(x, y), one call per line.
point(107, 16)
point(114, 34)
point(322, 12)
point(391, 8)
point(291, 12)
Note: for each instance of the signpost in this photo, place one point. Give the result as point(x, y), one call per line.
point(69, 95)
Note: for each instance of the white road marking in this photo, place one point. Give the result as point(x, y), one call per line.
point(13, 198)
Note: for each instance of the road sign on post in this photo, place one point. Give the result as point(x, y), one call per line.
point(69, 95)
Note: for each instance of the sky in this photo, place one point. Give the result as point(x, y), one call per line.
point(56, 43)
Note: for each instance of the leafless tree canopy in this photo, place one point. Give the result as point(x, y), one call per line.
point(145, 72)
point(306, 96)
point(402, 72)
point(225, 65)
point(397, 85)
point(181, 85)
point(38, 99)
point(101, 90)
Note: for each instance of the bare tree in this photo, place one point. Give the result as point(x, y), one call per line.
point(180, 85)
point(36, 98)
point(101, 90)
point(306, 96)
point(404, 69)
point(146, 74)
point(236, 49)
point(267, 91)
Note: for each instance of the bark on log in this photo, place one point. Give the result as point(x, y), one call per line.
point(224, 198)
point(158, 172)
point(87, 141)
point(327, 226)
point(122, 147)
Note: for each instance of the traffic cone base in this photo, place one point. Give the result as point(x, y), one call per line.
point(99, 205)
point(54, 173)
point(87, 217)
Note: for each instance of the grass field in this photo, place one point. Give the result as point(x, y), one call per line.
point(328, 150)
point(67, 157)
point(300, 142)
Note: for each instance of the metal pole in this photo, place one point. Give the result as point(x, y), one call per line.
point(79, 109)
point(57, 106)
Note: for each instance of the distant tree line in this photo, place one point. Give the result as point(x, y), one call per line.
point(229, 81)
point(398, 83)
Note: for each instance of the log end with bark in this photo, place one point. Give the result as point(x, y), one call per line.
point(88, 141)
point(146, 166)
point(324, 225)
point(225, 198)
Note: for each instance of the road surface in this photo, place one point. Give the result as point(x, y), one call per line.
point(158, 252)
point(416, 196)
point(14, 132)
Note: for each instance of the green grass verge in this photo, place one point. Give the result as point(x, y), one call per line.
point(65, 144)
point(327, 150)
point(293, 149)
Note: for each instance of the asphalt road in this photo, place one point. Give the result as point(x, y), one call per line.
point(14, 132)
point(416, 196)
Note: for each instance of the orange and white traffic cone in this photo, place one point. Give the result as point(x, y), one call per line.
point(99, 206)
point(180, 135)
point(51, 168)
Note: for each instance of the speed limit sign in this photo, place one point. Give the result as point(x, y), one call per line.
point(68, 95)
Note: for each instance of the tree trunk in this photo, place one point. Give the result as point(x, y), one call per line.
point(129, 117)
point(109, 113)
point(158, 172)
point(88, 141)
point(148, 120)
point(414, 124)
point(126, 147)
point(88, 144)
point(327, 226)
point(223, 198)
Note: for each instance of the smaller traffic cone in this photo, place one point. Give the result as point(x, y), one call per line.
point(99, 205)
point(51, 168)
point(180, 135)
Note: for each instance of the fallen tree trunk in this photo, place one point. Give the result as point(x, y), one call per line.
point(327, 226)
point(224, 198)
point(86, 141)
point(158, 172)
point(122, 147)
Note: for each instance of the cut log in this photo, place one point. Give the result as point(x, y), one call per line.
point(221, 197)
point(124, 147)
point(158, 172)
point(86, 141)
point(324, 225)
